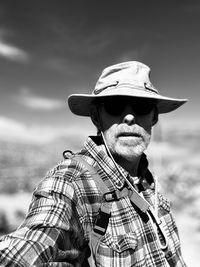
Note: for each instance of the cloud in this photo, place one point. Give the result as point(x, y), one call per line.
point(31, 101)
point(13, 53)
point(16, 131)
point(35, 102)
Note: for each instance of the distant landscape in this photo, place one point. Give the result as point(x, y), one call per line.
point(175, 159)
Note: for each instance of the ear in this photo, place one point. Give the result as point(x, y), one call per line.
point(94, 114)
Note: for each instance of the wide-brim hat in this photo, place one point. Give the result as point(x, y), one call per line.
point(129, 79)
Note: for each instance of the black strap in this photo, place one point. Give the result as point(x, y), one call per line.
point(137, 200)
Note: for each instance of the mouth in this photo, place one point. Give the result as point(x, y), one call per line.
point(128, 134)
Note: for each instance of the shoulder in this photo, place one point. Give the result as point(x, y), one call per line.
point(63, 177)
point(68, 169)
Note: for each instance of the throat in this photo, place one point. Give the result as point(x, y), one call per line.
point(130, 166)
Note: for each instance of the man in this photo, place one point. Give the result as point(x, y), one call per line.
point(100, 207)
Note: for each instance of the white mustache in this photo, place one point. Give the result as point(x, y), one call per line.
point(131, 131)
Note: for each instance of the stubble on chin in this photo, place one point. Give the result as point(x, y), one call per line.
point(132, 150)
point(130, 153)
point(127, 149)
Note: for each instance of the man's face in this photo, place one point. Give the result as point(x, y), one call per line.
point(126, 125)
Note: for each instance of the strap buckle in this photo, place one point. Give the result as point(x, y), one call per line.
point(158, 222)
point(102, 219)
point(68, 154)
point(111, 196)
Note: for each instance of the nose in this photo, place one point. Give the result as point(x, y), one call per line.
point(129, 117)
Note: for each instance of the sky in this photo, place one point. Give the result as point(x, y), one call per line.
point(51, 49)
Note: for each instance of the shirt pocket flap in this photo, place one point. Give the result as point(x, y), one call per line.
point(121, 243)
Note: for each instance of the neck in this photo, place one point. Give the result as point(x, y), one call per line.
point(130, 166)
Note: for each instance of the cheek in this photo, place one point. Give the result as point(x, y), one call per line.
point(108, 122)
point(146, 122)
point(110, 133)
point(110, 137)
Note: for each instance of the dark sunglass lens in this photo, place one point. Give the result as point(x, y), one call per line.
point(114, 106)
point(143, 107)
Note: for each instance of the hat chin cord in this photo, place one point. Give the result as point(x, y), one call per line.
point(105, 143)
point(116, 165)
point(109, 153)
point(131, 186)
point(153, 212)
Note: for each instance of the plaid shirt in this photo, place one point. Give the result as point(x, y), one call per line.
point(61, 216)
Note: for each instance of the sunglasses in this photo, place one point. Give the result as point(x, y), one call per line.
point(115, 106)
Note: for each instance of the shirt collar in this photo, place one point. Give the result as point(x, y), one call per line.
point(98, 152)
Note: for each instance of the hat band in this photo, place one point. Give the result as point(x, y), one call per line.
point(109, 86)
point(145, 87)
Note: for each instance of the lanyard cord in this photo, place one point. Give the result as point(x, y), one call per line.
point(153, 213)
point(125, 178)
point(139, 200)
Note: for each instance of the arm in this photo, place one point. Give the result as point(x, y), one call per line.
point(51, 231)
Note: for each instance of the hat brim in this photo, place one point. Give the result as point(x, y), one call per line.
point(79, 104)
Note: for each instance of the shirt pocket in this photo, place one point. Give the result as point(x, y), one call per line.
point(120, 243)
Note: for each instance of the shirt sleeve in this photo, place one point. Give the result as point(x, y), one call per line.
point(51, 231)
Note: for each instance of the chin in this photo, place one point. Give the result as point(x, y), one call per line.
point(132, 156)
point(130, 153)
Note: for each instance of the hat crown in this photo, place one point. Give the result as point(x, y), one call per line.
point(132, 73)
